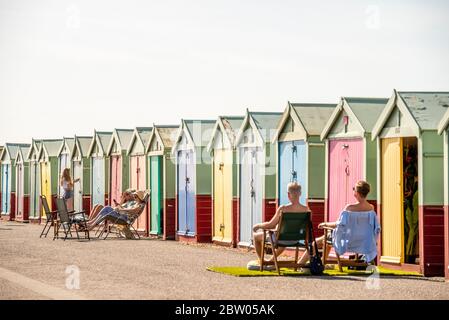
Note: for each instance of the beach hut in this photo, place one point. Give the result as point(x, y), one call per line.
point(162, 181)
point(257, 171)
point(138, 170)
point(99, 167)
point(8, 160)
point(224, 179)
point(350, 153)
point(48, 160)
point(301, 155)
point(411, 181)
point(64, 159)
point(81, 168)
point(193, 181)
point(34, 181)
point(22, 184)
point(443, 129)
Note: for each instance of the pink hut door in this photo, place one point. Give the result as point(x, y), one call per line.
point(116, 179)
point(345, 169)
point(138, 182)
point(142, 185)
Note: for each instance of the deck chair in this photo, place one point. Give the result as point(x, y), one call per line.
point(50, 215)
point(294, 230)
point(112, 222)
point(68, 219)
point(362, 221)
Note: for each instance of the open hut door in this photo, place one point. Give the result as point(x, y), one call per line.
point(35, 189)
point(116, 179)
point(46, 185)
point(6, 190)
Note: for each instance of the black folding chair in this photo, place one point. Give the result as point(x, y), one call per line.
point(50, 215)
point(68, 219)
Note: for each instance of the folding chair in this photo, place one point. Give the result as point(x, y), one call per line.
point(50, 215)
point(294, 230)
point(113, 222)
point(68, 220)
point(366, 230)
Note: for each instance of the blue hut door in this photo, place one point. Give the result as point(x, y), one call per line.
point(251, 192)
point(186, 193)
point(6, 190)
point(98, 181)
point(292, 168)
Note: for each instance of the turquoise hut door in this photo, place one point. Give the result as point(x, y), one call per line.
point(186, 193)
point(6, 189)
point(156, 194)
point(292, 168)
point(98, 181)
point(77, 188)
point(251, 195)
point(35, 189)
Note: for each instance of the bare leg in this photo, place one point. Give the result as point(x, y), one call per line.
point(258, 238)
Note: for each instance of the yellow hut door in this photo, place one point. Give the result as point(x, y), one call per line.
point(218, 195)
point(392, 201)
point(227, 196)
point(46, 184)
point(223, 195)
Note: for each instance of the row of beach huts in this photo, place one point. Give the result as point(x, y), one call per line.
point(211, 180)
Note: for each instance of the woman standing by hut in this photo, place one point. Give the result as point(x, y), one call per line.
point(67, 185)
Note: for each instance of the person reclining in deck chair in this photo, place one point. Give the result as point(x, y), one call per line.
point(294, 194)
point(347, 233)
point(127, 199)
point(123, 212)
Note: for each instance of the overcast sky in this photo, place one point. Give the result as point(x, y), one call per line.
point(69, 67)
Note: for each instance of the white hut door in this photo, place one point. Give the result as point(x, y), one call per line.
point(20, 191)
point(77, 189)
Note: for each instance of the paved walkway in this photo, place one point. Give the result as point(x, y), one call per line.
point(33, 268)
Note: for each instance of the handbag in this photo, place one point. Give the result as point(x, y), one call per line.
point(316, 264)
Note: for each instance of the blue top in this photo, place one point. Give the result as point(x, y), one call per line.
point(357, 232)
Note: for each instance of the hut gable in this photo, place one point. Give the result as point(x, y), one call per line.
point(161, 138)
point(10, 151)
point(410, 113)
point(225, 132)
point(258, 127)
point(193, 134)
point(49, 149)
point(139, 140)
point(301, 120)
point(21, 153)
point(81, 147)
point(67, 146)
point(354, 116)
point(33, 151)
point(120, 141)
point(99, 142)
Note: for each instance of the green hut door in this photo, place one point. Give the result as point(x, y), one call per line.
point(156, 194)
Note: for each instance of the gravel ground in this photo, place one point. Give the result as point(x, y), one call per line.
point(33, 268)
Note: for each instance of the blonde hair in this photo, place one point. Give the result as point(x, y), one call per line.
point(362, 188)
point(294, 188)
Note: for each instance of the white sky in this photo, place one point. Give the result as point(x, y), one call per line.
point(67, 67)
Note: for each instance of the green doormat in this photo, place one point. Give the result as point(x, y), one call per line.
point(244, 272)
